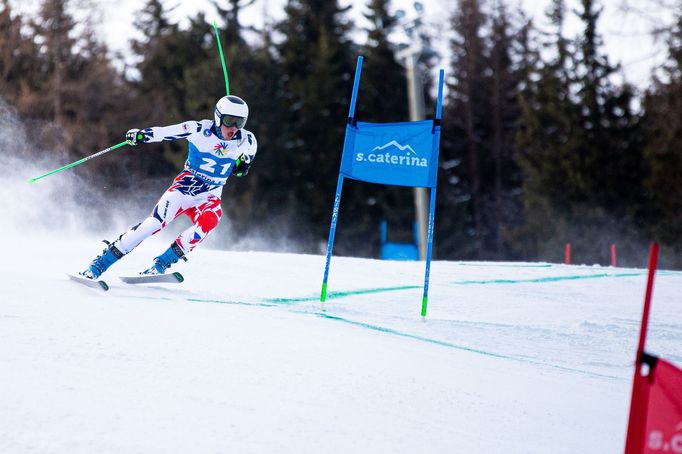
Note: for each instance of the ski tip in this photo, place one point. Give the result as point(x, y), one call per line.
point(179, 277)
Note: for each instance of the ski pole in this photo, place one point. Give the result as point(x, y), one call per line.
point(222, 58)
point(81, 161)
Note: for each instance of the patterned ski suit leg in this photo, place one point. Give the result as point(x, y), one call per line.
point(169, 207)
point(205, 218)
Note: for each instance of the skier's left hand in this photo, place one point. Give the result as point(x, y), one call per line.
point(241, 167)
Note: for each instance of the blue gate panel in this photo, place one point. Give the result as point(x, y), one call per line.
point(400, 154)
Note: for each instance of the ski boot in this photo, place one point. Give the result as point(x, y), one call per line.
point(165, 260)
point(102, 262)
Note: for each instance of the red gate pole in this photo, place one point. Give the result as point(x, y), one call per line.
point(613, 255)
point(567, 261)
point(634, 443)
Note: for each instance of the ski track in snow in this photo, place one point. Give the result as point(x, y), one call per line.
point(512, 357)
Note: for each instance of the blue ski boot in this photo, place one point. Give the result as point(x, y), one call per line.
point(102, 262)
point(165, 260)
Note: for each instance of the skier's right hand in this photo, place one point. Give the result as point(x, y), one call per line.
point(134, 136)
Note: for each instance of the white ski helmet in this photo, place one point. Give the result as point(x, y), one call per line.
point(231, 110)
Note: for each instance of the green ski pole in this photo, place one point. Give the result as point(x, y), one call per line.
point(222, 58)
point(81, 161)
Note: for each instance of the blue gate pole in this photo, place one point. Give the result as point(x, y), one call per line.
point(339, 184)
point(429, 249)
point(432, 205)
point(356, 85)
point(332, 232)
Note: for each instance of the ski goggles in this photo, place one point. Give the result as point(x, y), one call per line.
point(229, 120)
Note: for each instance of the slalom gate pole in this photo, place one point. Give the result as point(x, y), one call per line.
point(339, 185)
point(429, 251)
point(653, 262)
point(356, 86)
point(432, 202)
point(330, 244)
point(81, 161)
point(222, 58)
point(635, 438)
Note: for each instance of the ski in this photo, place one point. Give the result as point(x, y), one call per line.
point(94, 283)
point(154, 278)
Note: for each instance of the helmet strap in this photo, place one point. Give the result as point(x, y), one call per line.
point(218, 132)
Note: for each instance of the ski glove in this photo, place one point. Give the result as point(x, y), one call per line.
point(134, 137)
point(241, 167)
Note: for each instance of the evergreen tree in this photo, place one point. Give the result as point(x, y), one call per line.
point(467, 117)
point(82, 91)
point(159, 74)
point(165, 53)
point(480, 177)
point(384, 92)
point(60, 60)
point(255, 75)
point(382, 98)
point(611, 150)
point(317, 67)
point(238, 53)
point(202, 75)
point(233, 35)
point(581, 149)
point(18, 60)
point(506, 77)
point(663, 126)
point(547, 140)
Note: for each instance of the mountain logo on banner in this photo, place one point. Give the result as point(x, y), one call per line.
point(397, 145)
point(409, 159)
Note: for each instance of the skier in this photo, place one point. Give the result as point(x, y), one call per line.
point(217, 148)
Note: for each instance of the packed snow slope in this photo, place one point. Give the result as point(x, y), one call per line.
point(512, 357)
